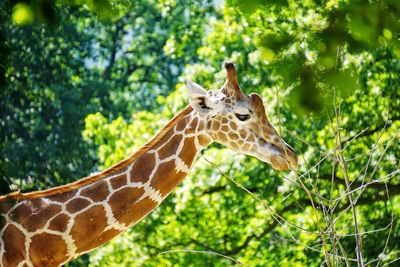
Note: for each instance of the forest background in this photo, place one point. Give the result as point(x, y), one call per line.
point(85, 83)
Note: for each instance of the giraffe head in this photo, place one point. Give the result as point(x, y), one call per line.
point(240, 122)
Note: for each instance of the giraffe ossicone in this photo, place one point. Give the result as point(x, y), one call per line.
point(53, 226)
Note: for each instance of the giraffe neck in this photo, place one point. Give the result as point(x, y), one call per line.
point(51, 230)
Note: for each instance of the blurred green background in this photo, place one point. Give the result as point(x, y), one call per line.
point(85, 83)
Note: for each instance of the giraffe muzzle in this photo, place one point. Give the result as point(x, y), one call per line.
point(284, 157)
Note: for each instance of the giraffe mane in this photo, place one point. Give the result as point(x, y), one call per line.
point(96, 177)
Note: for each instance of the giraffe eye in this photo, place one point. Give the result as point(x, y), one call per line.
point(242, 117)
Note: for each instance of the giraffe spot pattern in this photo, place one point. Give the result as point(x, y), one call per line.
point(164, 171)
point(122, 199)
point(77, 204)
point(200, 127)
point(59, 223)
point(234, 145)
point(2, 222)
point(251, 138)
point(118, 181)
point(203, 140)
point(209, 124)
point(6, 206)
point(63, 197)
point(233, 136)
point(14, 247)
point(142, 168)
point(90, 222)
point(243, 134)
point(170, 148)
point(181, 125)
point(215, 125)
point(47, 250)
point(137, 211)
point(187, 154)
point(222, 137)
point(20, 213)
point(36, 220)
point(54, 237)
point(102, 238)
point(98, 192)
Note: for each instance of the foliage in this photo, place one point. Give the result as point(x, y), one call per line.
point(58, 74)
point(328, 71)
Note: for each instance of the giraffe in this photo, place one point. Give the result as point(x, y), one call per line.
point(54, 226)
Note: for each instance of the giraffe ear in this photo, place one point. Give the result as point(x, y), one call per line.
point(198, 97)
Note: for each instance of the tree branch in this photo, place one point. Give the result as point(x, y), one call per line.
point(220, 188)
point(394, 189)
point(370, 132)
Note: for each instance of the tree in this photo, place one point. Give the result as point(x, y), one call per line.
point(67, 64)
point(302, 218)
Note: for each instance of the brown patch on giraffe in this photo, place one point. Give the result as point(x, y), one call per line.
point(90, 222)
point(246, 147)
point(102, 238)
point(33, 213)
point(181, 124)
point(243, 134)
point(59, 223)
point(253, 148)
point(188, 152)
point(77, 204)
point(137, 211)
point(6, 206)
point(2, 222)
point(19, 214)
point(268, 130)
point(240, 142)
point(167, 178)
point(119, 181)
point(96, 192)
point(48, 250)
point(194, 122)
point(234, 145)
point(167, 136)
point(251, 138)
point(63, 197)
point(121, 200)
point(201, 126)
point(170, 148)
point(233, 126)
point(222, 137)
point(142, 168)
point(233, 136)
point(14, 246)
point(37, 219)
point(215, 125)
point(203, 140)
point(224, 120)
point(208, 124)
point(225, 128)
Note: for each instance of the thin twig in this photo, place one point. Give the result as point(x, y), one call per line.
point(342, 163)
point(205, 252)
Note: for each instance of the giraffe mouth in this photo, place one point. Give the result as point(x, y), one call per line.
point(282, 157)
